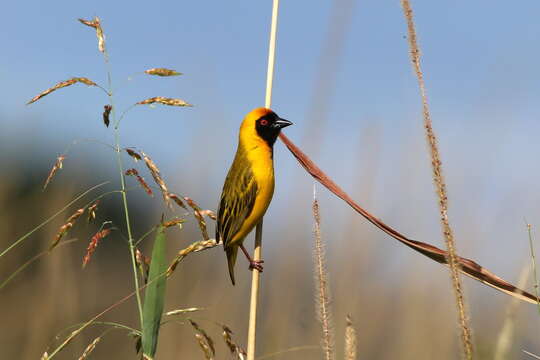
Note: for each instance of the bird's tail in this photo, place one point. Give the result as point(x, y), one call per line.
point(231, 251)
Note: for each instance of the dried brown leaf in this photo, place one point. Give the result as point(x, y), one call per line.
point(94, 242)
point(162, 72)
point(164, 101)
point(60, 85)
point(140, 179)
point(106, 112)
point(57, 166)
point(154, 170)
point(135, 155)
point(96, 24)
point(467, 266)
point(65, 228)
point(200, 218)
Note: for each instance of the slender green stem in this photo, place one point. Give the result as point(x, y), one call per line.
point(533, 260)
point(123, 189)
point(28, 234)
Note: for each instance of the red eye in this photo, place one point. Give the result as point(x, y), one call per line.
point(264, 122)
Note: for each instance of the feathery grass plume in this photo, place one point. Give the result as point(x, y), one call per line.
point(135, 155)
point(200, 218)
point(195, 247)
point(96, 24)
point(143, 263)
point(350, 340)
point(60, 85)
point(151, 165)
point(533, 265)
point(324, 312)
point(89, 348)
point(183, 311)
point(164, 101)
point(162, 72)
point(467, 266)
point(92, 209)
point(177, 200)
point(106, 113)
point(57, 166)
point(236, 351)
point(205, 341)
point(140, 179)
point(94, 242)
point(173, 222)
point(506, 335)
point(440, 185)
point(65, 228)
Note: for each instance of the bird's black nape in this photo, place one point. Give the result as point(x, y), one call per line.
point(269, 126)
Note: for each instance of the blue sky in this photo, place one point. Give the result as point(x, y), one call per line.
point(343, 70)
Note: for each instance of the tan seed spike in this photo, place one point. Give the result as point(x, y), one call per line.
point(200, 219)
point(194, 247)
point(207, 339)
point(57, 166)
point(173, 222)
point(177, 200)
point(236, 351)
point(65, 228)
point(94, 242)
point(90, 348)
point(92, 211)
point(140, 179)
point(350, 340)
point(157, 176)
point(60, 85)
point(96, 24)
point(164, 101)
point(135, 155)
point(162, 72)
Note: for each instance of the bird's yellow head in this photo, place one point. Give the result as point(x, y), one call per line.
point(263, 123)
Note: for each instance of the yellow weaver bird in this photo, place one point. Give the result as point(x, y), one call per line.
point(249, 185)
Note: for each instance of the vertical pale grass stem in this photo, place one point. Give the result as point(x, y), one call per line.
point(255, 277)
point(440, 186)
point(533, 265)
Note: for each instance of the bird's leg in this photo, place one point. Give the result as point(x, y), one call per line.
point(253, 264)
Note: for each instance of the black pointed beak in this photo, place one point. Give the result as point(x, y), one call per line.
point(281, 123)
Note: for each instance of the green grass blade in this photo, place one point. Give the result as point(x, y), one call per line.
point(155, 296)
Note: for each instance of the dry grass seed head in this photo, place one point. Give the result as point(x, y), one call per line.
point(162, 72)
point(234, 348)
point(92, 209)
point(164, 101)
point(60, 85)
point(200, 218)
point(65, 228)
point(154, 170)
point(96, 24)
point(135, 155)
point(205, 341)
point(106, 113)
point(173, 222)
point(94, 242)
point(177, 200)
point(57, 166)
point(194, 247)
point(140, 179)
point(90, 348)
point(350, 340)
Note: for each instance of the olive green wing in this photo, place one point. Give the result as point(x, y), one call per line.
point(237, 200)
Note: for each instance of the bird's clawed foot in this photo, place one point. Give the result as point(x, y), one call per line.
point(256, 264)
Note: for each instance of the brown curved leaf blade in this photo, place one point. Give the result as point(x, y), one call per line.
point(467, 266)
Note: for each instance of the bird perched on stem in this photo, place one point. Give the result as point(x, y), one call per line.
point(249, 185)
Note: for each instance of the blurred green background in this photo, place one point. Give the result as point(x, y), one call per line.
point(343, 76)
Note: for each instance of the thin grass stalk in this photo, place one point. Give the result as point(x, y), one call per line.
point(324, 312)
point(255, 276)
point(533, 265)
point(118, 150)
point(440, 186)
